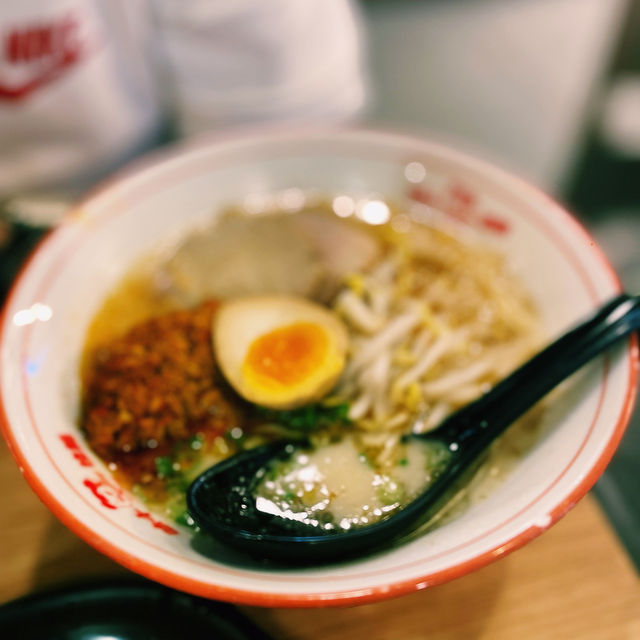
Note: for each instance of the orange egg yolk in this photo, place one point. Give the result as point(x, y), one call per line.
point(288, 355)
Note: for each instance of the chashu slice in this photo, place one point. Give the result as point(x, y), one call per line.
point(306, 254)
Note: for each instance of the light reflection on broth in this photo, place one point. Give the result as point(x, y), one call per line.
point(336, 487)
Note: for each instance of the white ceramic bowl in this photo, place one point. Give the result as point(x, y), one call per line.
point(70, 273)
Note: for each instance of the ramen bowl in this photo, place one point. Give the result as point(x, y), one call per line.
point(69, 275)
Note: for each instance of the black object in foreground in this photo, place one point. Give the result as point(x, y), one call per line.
point(123, 610)
point(221, 500)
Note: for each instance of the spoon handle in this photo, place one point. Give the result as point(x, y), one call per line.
point(480, 422)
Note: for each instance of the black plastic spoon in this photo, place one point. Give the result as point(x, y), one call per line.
point(222, 503)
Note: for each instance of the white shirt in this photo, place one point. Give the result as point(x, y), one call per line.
point(86, 83)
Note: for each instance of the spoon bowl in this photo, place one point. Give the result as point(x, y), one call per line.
point(222, 499)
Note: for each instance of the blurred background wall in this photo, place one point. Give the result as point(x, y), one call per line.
point(513, 79)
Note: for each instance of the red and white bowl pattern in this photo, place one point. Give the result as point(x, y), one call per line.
point(68, 276)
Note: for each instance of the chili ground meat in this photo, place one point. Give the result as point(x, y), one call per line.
point(156, 385)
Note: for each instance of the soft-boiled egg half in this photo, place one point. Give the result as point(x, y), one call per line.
point(279, 351)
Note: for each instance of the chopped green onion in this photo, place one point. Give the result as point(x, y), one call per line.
point(309, 418)
point(164, 466)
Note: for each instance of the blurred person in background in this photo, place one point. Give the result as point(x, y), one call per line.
point(87, 84)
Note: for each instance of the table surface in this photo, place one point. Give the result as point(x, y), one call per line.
point(575, 581)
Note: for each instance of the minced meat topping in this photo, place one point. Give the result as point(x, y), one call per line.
point(156, 385)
